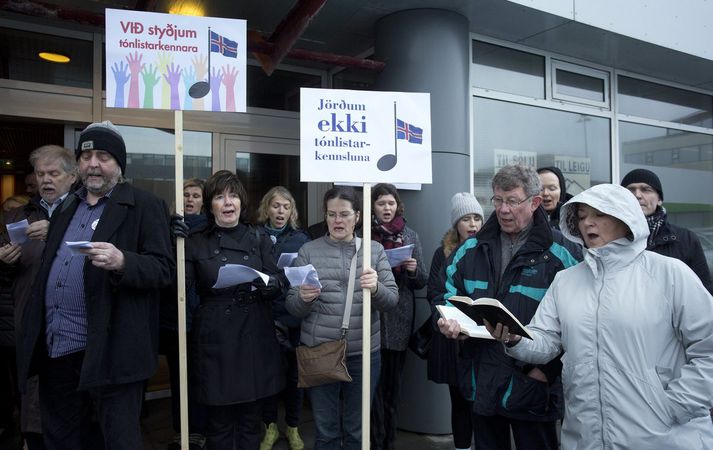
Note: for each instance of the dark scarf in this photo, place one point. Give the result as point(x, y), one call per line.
point(274, 233)
point(390, 235)
point(655, 221)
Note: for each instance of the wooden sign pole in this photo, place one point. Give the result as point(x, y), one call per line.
point(181, 285)
point(366, 327)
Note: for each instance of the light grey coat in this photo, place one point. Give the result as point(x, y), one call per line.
point(322, 318)
point(637, 336)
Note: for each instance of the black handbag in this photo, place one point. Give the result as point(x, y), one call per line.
point(420, 340)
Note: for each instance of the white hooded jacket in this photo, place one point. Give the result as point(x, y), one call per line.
point(637, 331)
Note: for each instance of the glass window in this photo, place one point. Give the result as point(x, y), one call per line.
point(260, 172)
point(657, 101)
point(150, 159)
point(684, 163)
point(507, 133)
point(587, 86)
point(281, 90)
point(507, 70)
point(354, 79)
point(19, 58)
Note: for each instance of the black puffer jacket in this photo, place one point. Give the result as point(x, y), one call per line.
point(680, 243)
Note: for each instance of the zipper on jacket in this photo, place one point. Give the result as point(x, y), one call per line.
point(601, 400)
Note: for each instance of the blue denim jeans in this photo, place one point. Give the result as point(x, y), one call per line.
point(336, 407)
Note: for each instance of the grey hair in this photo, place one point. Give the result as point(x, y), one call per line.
point(55, 153)
point(517, 175)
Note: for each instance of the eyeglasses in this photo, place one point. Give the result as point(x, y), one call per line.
point(497, 202)
point(331, 215)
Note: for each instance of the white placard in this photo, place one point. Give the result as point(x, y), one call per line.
point(364, 136)
point(169, 61)
point(504, 158)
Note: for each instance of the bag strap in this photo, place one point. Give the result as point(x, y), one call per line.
point(350, 290)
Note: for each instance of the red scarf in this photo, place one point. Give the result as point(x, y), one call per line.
point(390, 235)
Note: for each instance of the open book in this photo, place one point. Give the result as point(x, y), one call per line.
point(467, 326)
point(491, 310)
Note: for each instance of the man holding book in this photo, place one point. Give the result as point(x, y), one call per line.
point(513, 259)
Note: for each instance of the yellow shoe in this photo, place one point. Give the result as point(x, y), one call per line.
point(272, 434)
point(293, 439)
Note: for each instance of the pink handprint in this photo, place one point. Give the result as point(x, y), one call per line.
point(135, 66)
point(173, 77)
point(120, 79)
point(216, 77)
point(229, 76)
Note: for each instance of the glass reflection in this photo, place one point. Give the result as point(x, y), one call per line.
point(505, 133)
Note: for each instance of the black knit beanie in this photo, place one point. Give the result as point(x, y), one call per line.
point(643, 176)
point(103, 136)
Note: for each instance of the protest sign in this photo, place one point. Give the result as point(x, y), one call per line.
point(365, 136)
point(168, 61)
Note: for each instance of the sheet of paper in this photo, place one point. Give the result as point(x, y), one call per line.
point(235, 274)
point(303, 275)
point(398, 255)
point(467, 324)
point(285, 260)
point(75, 246)
point(17, 231)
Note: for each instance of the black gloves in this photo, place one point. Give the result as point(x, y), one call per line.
point(178, 227)
point(269, 291)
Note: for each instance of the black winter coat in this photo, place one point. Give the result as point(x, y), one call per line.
point(234, 353)
point(17, 280)
point(289, 241)
point(122, 308)
point(680, 243)
point(497, 383)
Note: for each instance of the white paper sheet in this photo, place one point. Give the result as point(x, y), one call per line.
point(17, 231)
point(234, 274)
point(398, 255)
point(75, 246)
point(303, 275)
point(285, 260)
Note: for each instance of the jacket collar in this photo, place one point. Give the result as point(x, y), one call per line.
point(540, 235)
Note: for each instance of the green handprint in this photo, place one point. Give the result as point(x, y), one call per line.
point(151, 78)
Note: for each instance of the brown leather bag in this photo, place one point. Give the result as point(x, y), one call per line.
point(322, 364)
point(326, 362)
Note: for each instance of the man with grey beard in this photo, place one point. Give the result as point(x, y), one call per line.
point(90, 326)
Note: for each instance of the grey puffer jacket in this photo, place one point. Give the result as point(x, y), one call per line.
point(397, 324)
point(322, 318)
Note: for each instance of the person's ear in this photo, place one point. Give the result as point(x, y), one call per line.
point(536, 201)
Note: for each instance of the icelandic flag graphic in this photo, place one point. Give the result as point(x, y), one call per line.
point(223, 45)
point(409, 132)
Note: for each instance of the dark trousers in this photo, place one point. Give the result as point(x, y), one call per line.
point(234, 426)
point(67, 412)
point(292, 396)
point(461, 421)
point(385, 407)
point(9, 396)
point(196, 412)
point(493, 433)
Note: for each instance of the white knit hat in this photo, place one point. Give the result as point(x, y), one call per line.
point(464, 203)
